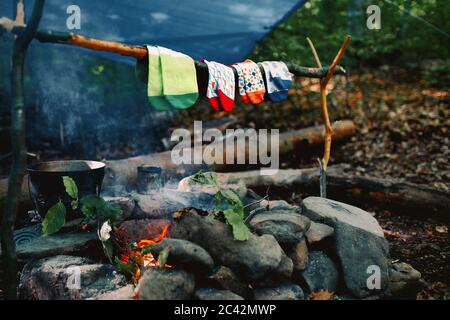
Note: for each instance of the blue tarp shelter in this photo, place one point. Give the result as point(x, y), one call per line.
point(66, 91)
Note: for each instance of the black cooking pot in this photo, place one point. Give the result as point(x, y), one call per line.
point(47, 188)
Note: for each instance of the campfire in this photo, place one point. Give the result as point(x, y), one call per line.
point(140, 255)
point(186, 244)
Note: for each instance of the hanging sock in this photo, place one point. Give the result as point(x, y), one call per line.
point(179, 78)
point(278, 79)
point(155, 85)
point(221, 86)
point(251, 84)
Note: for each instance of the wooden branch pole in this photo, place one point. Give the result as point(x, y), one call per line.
point(137, 52)
point(323, 163)
point(19, 151)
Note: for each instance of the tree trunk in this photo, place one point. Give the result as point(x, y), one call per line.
point(19, 152)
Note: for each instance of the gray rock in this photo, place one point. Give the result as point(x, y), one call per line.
point(186, 255)
point(322, 210)
point(253, 258)
point(67, 278)
point(140, 229)
point(281, 274)
point(227, 279)
point(359, 241)
point(404, 280)
point(80, 244)
point(215, 294)
point(236, 185)
point(318, 232)
point(286, 226)
point(166, 284)
point(299, 255)
point(162, 204)
point(359, 251)
point(320, 273)
point(287, 291)
point(123, 293)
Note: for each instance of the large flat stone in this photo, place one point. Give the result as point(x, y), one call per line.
point(82, 244)
point(321, 209)
point(65, 277)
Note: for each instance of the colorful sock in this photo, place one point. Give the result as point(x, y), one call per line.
point(179, 78)
point(278, 79)
point(221, 86)
point(155, 84)
point(251, 83)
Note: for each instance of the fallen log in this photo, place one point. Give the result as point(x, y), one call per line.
point(399, 197)
point(124, 172)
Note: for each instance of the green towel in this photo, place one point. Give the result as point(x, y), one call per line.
point(179, 78)
point(155, 85)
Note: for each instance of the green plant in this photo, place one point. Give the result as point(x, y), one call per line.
point(228, 203)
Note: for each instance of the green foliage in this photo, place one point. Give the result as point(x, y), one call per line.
point(128, 267)
point(93, 207)
point(229, 203)
point(54, 219)
point(406, 35)
point(71, 187)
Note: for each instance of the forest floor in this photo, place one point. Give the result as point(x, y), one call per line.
point(403, 127)
point(403, 132)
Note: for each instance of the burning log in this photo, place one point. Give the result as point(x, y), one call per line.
point(409, 198)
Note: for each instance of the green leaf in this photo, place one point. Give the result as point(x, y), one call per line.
point(128, 267)
point(91, 204)
point(54, 219)
point(240, 230)
point(163, 256)
point(110, 211)
point(231, 197)
point(71, 187)
point(147, 249)
point(74, 204)
point(208, 178)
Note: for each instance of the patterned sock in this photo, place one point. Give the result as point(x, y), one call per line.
point(251, 84)
point(179, 78)
point(221, 86)
point(212, 90)
point(278, 79)
point(155, 85)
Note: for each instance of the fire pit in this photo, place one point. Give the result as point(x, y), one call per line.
point(46, 183)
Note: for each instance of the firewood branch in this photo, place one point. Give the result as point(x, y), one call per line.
point(139, 52)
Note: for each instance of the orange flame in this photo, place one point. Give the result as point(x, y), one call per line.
point(146, 260)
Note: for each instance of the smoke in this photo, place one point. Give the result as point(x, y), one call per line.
point(91, 107)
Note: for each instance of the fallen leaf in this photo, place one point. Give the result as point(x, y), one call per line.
point(442, 229)
point(321, 295)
